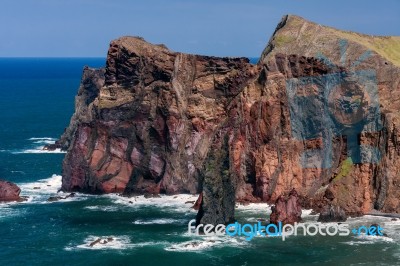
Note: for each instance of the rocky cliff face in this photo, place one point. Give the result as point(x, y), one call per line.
point(318, 113)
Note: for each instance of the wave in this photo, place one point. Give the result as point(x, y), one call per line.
point(111, 242)
point(39, 191)
point(7, 212)
point(206, 243)
point(44, 142)
point(160, 221)
point(104, 242)
point(102, 208)
point(43, 186)
point(45, 138)
point(39, 144)
point(253, 207)
point(19, 172)
point(176, 203)
point(38, 150)
point(367, 239)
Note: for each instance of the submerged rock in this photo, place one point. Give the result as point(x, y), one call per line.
point(101, 241)
point(57, 198)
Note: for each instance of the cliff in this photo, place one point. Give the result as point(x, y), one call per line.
point(318, 113)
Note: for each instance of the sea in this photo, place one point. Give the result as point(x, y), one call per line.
point(36, 104)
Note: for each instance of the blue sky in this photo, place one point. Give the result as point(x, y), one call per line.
point(84, 28)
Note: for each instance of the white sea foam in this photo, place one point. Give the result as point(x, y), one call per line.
point(43, 186)
point(204, 243)
point(160, 221)
point(191, 246)
point(45, 138)
point(254, 207)
point(20, 172)
point(177, 203)
point(39, 191)
point(306, 213)
point(38, 150)
point(102, 208)
point(112, 242)
point(367, 239)
point(39, 145)
point(106, 242)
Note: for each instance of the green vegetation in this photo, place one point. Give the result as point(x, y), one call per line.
point(281, 40)
point(388, 47)
point(345, 168)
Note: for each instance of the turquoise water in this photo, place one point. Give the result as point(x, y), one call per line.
point(36, 103)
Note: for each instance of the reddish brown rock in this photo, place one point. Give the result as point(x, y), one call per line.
point(9, 191)
point(287, 209)
point(198, 202)
point(157, 121)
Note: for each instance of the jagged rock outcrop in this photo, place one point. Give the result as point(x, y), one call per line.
point(287, 209)
point(150, 127)
point(331, 213)
point(9, 191)
point(318, 113)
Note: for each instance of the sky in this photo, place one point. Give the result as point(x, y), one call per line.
point(84, 28)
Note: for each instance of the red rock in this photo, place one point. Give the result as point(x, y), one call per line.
point(287, 209)
point(9, 191)
point(198, 202)
point(158, 121)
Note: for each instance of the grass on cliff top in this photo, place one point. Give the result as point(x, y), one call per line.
point(388, 47)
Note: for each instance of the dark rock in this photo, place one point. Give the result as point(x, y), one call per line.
point(329, 194)
point(287, 209)
point(218, 200)
point(57, 198)
point(331, 213)
point(52, 147)
point(9, 191)
point(198, 202)
point(97, 241)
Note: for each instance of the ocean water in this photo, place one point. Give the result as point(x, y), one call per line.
point(36, 103)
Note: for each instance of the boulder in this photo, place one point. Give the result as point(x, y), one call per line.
point(287, 209)
point(9, 191)
point(332, 213)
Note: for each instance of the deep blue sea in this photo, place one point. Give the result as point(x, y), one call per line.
point(36, 103)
